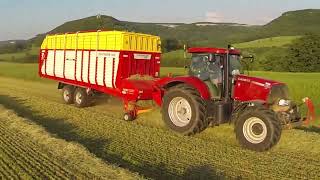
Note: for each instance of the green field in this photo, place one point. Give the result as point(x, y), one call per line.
point(28, 151)
point(146, 146)
point(262, 49)
point(267, 42)
point(21, 56)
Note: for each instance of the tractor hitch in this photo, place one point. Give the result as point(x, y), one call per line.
point(310, 115)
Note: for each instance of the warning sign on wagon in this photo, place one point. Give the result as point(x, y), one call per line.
point(108, 54)
point(142, 56)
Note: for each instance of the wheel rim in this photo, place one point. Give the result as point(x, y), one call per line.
point(78, 98)
point(66, 96)
point(180, 111)
point(254, 130)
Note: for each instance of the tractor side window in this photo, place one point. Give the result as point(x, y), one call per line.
point(199, 66)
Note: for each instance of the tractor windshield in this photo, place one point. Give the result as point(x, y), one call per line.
point(209, 68)
point(199, 66)
point(206, 66)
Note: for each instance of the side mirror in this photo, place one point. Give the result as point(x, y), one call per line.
point(250, 57)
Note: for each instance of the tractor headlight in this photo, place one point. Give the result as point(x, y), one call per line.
point(283, 102)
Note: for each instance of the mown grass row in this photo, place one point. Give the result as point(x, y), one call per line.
point(159, 153)
point(28, 161)
point(28, 152)
point(34, 163)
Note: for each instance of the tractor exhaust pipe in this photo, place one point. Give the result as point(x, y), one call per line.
point(223, 109)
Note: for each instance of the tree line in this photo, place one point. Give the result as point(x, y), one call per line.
point(303, 55)
point(13, 47)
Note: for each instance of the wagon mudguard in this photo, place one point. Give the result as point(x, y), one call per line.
point(195, 82)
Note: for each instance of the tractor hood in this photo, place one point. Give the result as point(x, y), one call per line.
point(248, 88)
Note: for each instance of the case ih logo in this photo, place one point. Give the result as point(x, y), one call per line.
point(265, 85)
point(244, 79)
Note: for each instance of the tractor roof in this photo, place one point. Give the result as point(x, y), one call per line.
point(212, 50)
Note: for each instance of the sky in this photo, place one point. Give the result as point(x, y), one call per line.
point(23, 19)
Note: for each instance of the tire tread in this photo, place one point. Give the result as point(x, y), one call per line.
point(202, 122)
point(275, 127)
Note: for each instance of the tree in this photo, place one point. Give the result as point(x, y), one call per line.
point(12, 47)
point(304, 54)
point(171, 45)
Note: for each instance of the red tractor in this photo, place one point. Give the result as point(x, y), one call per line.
point(259, 108)
point(215, 91)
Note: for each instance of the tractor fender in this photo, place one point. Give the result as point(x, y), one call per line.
point(196, 83)
point(241, 107)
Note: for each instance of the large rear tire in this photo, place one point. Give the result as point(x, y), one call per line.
point(258, 129)
point(184, 111)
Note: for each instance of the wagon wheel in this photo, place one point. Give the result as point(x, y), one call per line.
point(68, 94)
point(81, 98)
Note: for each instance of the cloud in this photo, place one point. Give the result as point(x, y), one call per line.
point(213, 16)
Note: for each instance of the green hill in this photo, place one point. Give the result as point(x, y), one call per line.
point(267, 49)
point(279, 41)
point(195, 33)
point(294, 23)
point(258, 39)
point(262, 49)
point(291, 23)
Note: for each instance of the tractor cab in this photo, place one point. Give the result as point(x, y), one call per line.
point(207, 65)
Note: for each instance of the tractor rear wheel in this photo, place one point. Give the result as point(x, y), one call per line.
point(183, 110)
point(258, 128)
point(68, 94)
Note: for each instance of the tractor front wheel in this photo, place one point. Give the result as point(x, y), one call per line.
point(258, 129)
point(184, 110)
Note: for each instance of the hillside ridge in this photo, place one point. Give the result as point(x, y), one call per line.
point(291, 23)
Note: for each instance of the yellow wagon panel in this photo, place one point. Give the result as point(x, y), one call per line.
point(104, 40)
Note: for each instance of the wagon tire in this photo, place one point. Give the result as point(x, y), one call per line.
point(68, 94)
point(81, 98)
point(258, 129)
point(184, 111)
point(128, 116)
